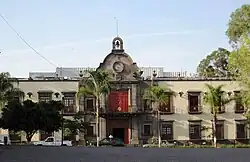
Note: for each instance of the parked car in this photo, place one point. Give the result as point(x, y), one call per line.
point(52, 141)
point(110, 142)
point(164, 143)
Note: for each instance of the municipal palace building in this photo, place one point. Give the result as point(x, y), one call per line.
point(126, 115)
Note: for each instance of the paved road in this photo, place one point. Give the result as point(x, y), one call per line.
point(81, 154)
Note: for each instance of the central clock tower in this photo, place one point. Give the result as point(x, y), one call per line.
point(122, 102)
point(119, 63)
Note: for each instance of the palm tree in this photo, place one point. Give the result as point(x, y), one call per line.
point(156, 95)
point(96, 85)
point(8, 91)
point(216, 99)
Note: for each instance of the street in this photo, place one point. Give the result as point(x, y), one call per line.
point(80, 154)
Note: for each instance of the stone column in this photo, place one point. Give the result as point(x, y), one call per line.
point(103, 102)
point(134, 97)
point(103, 132)
point(135, 130)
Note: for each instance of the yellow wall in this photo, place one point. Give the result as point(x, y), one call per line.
point(181, 116)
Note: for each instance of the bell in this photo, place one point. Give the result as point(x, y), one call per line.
point(117, 44)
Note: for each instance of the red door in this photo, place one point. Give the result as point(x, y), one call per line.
point(113, 101)
point(123, 101)
point(118, 101)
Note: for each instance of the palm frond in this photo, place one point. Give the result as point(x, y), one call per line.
point(156, 94)
point(95, 84)
point(215, 97)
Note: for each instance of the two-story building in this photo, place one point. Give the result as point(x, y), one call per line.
point(125, 114)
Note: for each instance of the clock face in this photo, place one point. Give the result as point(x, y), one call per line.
point(118, 67)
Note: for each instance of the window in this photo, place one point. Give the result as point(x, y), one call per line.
point(50, 140)
point(195, 130)
point(90, 131)
point(146, 130)
point(167, 131)
point(146, 105)
point(220, 130)
point(44, 135)
point(241, 130)
point(69, 102)
point(221, 108)
point(239, 108)
point(168, 106)
point(90, 104)
point(44, 96)
point(194, 101)
point(81, 104)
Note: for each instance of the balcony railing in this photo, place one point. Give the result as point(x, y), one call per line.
point(69, 110)
point(196, 109)
point(167, 110)
point(239, 109)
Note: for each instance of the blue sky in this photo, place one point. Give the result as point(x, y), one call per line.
point(174, 34)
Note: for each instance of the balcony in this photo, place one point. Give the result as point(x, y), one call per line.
point(167, 110)
point(239, 108)
point(69, 110)
point(196, 109)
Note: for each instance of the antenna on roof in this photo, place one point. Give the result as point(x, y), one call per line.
point(117, 26)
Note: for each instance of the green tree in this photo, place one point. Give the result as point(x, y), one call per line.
point(97, 84)
point(239, 61)
point(50, 116)
point(24, 116)
point(76, 125)
point(216, 99)
point(157, 96)
point(239, 23)
point(8, 91)
point(215, 64)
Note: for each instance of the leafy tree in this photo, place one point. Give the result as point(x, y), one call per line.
point(157, 96)
point(216, 99)
point(96, 85)
point(24, 116)
point(76, 125)
point(50, 117)
point(7, 89)
point(239, 23)
point(239, 61)
point(215, 64)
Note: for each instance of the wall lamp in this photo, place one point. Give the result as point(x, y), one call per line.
point(181, 93)
point(57, 94)
point(29, 94)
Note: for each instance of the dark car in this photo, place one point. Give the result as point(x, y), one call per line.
point(110, 142)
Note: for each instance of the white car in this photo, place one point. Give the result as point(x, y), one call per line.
point(52, 141)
